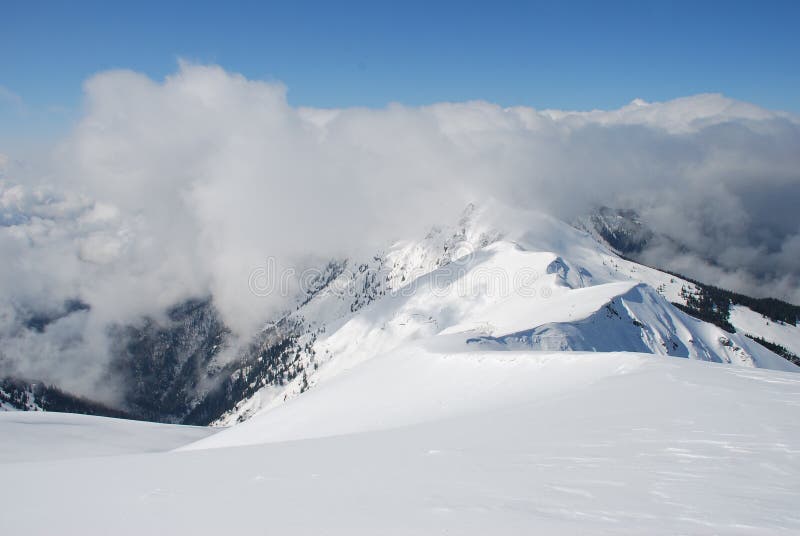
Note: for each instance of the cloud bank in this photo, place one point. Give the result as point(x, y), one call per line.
point(173, 189)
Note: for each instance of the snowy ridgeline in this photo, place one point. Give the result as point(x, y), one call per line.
point(420, 441)
point(532, 283)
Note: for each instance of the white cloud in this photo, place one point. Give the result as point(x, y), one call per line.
point(179, 188)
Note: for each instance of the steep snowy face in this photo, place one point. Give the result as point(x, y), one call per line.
point(640, 320)
point(499, 281)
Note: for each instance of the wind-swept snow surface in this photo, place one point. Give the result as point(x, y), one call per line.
point(474, 442)
point(37, 436)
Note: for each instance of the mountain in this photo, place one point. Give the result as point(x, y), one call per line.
point(497, 280)
point(536, 284)
point(18, 394)
point(628, 235)
point(509, 374)
point(621, 229)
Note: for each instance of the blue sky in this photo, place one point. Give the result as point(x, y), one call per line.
point(575, 55)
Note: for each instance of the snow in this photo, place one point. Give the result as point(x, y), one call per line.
point(505, 380)
point(506, 288)
point(39, 436)
point(640, 320)
point(505, 274)
point(416, 384)
point(753, 323)
point(420, 442)
point(29, 403)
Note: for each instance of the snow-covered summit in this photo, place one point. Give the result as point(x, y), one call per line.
point(501, 279)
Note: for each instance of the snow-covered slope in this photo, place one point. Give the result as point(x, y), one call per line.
point(37, 436)
point(752, 323)
point(502, 279)
point(640, 320)
point(423, 442)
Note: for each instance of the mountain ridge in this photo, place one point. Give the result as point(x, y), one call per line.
point(178, 376)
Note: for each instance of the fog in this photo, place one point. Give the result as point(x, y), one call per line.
point(171, 189)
